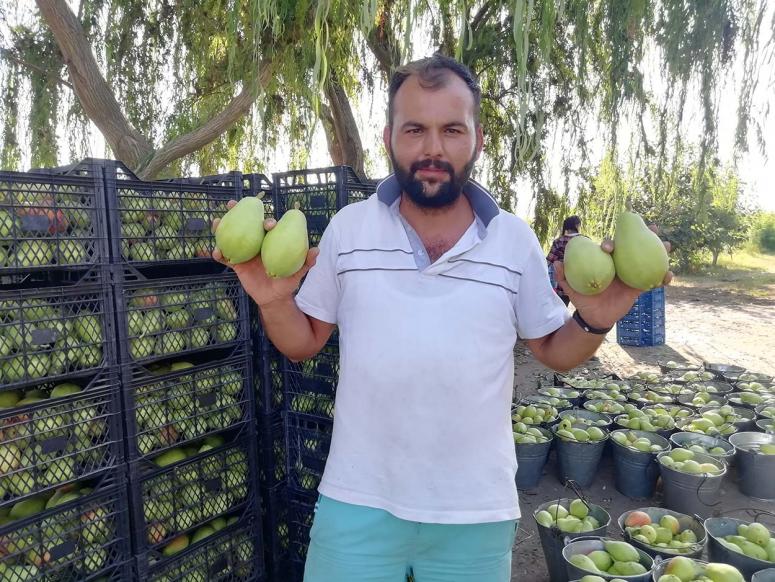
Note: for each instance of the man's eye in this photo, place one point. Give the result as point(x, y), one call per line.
point(415, 130)
point(452, 130)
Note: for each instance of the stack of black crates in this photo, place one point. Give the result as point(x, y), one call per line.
point(63, 509)
point(307, 389)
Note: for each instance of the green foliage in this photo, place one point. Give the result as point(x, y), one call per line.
point(699, 211)
point(761, 235)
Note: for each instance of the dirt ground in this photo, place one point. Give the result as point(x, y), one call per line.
point(705, 322)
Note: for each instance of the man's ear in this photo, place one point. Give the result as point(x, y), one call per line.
point(386, 133)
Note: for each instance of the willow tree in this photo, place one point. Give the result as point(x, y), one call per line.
point(217, 84)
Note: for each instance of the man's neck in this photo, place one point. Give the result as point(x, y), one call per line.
point(438, 228)
point(435, 221)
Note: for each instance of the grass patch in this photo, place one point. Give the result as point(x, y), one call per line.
point(744, 272)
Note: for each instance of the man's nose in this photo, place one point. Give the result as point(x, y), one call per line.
point(433, 145)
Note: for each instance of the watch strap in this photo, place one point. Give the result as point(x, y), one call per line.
point(588, 328)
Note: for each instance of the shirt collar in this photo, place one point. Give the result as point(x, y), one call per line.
point(483, 204)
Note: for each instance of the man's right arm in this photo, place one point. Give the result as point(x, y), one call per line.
point(294, 333)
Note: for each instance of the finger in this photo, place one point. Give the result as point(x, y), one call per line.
point(607, 245)
point(559, 271)
point(231, 204)
point(668, 278)
point(214, 225)
point(270, 223)
point(218, 256)
point(668, 246)
point(312, 256)
point(654, 228)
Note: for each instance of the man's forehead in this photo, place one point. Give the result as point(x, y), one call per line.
point(451, 91)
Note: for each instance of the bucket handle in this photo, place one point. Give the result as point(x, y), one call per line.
point(566, 540)
point(697, 493)
point(578, 491)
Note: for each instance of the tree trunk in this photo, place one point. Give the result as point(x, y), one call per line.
point(715, 253)
point(344, 139)
point(96, 97)
point(100, 104)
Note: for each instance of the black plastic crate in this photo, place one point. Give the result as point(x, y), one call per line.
point(49, 442)
point(233, 553)
point(172, 403)
point(174, 317)
point(310, 385)
point(308, 440)
point(51, 222)
point(276, 529)
point(69, 535)
point(272, 468)
point(182, 496)
point(301, 512)
point(320, 193)
point(267, 367)
point(52, 333)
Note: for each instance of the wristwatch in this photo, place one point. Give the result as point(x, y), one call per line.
point(588, 328)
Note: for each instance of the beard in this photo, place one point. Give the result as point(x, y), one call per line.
point(446, 193)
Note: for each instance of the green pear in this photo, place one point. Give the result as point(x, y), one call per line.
point(177, 545)
point(169, 457)
point(628, 568)
point(717, 572)
point(601, 559)
point(240, 232)
point(569, 524)
point(682, 568)
point(639, 255)
point(544, 518)
point(767, 449)
point(589, 270)
point(752, 550)
point(579, 509)
point(556, 511)
point(621, 551)
point(758, 534)
point(583, 562)
point(285, 248)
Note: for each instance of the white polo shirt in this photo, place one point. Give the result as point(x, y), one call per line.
point(422, 421)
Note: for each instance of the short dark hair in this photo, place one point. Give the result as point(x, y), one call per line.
point(433, 72)
point(571, 223)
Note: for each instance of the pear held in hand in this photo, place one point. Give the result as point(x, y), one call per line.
point(241, 231)
point(286, 245)
point(589, 270)
point(639, 255)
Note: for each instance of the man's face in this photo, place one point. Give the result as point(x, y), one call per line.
point(434, 140)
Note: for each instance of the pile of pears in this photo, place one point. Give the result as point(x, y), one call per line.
point(753, 540)
point(631, 440)
point(573, 518)
point(534, 414)
point(683, 460)
point(698, 447)
point(528, 435)
point(606, 406)
point(666, 533)
point(240, 236)
point(618, 559)
point(639, 259)
point(605, 394)
point(683, 569)
point(716, 422)
point(580, 433)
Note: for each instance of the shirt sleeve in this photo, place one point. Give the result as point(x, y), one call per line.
point(539, 310)
point(320, 292)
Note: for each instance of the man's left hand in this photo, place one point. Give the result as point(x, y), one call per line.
point(604, 309)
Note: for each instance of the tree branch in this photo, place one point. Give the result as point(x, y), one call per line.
point(98, 101)
point(200, 137)
point(12, 57)
point(346, 136)
point(383, 44)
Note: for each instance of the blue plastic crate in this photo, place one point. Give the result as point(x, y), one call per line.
point(644, 325)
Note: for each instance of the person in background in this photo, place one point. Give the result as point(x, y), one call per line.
point(570, 228)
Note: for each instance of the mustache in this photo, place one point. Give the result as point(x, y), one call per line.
point(435, 164)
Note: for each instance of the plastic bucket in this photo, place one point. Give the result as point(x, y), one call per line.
point(692, 494)
point(636, 472)
point(531, 459)
point(590, 544)
point(755, 471)
point(685, 439)
point(579, 461)
point(767, 575)
point(553, 540)
point(684, 521)
point(719, 527)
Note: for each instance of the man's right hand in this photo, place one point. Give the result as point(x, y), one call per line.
point(262, 288)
